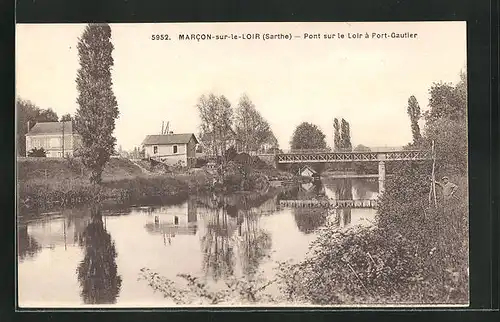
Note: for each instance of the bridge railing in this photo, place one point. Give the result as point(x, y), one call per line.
point(304, 151)
point(379, 150)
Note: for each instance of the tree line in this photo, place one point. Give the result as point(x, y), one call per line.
point(222, 127)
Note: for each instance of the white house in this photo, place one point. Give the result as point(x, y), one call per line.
point(56, 138)
point(171, 148)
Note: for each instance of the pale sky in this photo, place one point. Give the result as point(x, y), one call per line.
point(366, 81)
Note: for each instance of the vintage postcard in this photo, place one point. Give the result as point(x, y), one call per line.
point(242, 164)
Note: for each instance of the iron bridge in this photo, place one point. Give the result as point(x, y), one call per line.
point(325, 157)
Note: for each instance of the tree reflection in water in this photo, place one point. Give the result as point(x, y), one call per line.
point(27, 246)
point(233, 225)
point(254, 242)
point(309, 219)
point(344, 192)
point(217, 243)
point(97, 272)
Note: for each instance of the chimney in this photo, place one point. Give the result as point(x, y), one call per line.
point(28, 127)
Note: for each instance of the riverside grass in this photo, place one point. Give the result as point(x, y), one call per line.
point(42, 194)
point(45, 184)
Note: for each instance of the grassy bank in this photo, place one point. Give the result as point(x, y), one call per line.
point(47, 183)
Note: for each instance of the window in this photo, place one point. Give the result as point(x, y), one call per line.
point(55, 142)
point(175, 148)
point(176, 220)
point(155, 149)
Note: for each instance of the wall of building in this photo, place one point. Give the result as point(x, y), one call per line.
point(53, 144)
point(166, 153)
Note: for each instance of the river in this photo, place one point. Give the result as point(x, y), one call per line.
point(94, 256)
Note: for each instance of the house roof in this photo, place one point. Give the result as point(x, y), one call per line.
point(183, 138)
point(307, 167)
point(47, 128)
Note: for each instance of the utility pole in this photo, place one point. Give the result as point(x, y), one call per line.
point(63, 139)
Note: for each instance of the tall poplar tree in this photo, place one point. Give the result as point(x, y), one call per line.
point(345, 136)
point(98, 108)
point(336, 135)
point(413, 110)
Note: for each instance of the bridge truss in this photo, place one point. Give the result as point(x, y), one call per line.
point(326, 157)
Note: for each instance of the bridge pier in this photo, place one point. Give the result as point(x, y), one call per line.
point(381, 177)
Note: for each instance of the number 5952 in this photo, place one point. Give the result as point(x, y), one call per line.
point(160, 37)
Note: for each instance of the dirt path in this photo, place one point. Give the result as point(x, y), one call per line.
point(144, 170)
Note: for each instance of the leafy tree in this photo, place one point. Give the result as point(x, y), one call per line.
point(251, 129)
point(308, 136)
point(361, 148)
point(446, 124)
point(336, 135)
point(273, 142)
point(47, 115)
point(413, 110)
point(66, 118)
point(98, 108)
point(447, 101)
point(216, 123)
point(345, 141)
point(29, 112)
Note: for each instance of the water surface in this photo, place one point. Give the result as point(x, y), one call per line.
point(93, 256)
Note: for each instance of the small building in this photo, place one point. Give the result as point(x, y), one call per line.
point(56, 138)
point(307, 171)
point(171, 148)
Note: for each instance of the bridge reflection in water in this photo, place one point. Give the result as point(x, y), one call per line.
point(330, 198)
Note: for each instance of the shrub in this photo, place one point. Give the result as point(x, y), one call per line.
point(231, 153)
point(37, 153)
point(200, 162)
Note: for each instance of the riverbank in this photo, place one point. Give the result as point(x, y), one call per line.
point(45, 184)
point(417, 251)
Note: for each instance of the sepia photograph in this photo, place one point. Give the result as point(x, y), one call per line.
point(188, 165)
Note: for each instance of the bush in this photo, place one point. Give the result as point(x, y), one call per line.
point(37, 153)
point(200, 162)
point(231, 153)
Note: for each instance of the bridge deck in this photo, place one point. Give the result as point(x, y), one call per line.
point(312, 157)
point(330, 203)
